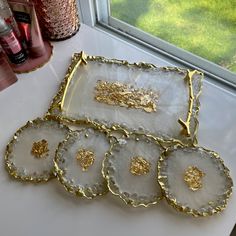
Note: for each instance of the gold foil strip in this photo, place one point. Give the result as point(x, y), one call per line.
point(193, 178)
point(125, 95)
point(162, 180)
point(139, 166)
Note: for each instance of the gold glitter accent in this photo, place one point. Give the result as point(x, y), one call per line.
point(125, 95)
point(193, 178)
point(85, 158)
point(40, 148)
point(139, 166)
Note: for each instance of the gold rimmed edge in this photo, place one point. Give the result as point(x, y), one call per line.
point(194, 102)
point(190, 136)
point(58, 100)
point(115, 128)
point(115, 190)
point(173, 201)
point(79, 192)
point(13, 171)
point(81, 59)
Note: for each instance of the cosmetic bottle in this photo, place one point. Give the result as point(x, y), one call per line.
point(25, 15)
point(10, 44)
point(7, 15)
point(7, 77)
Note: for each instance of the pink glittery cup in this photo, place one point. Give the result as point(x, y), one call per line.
point(58, 18)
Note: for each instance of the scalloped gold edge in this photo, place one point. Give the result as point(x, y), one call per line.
point(173, 201)
point(164, 143)
point(59, 173)
point(82, 58)
point(8, 167)
point(116, 191)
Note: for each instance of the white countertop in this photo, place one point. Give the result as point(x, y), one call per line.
point(46, 209)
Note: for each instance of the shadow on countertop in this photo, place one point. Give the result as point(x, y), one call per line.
point(233, 233)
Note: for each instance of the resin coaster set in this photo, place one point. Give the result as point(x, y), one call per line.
point(125, 128)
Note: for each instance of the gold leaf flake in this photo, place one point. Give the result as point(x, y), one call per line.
point(125, 95)
point(40, 148)
point(86, 158)
point(193, 178)
point(139, 166)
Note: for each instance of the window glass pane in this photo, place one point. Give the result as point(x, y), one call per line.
point(206, 28)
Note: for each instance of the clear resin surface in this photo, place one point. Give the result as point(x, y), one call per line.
point(160, 101)
point(131, 170)
point(30, 153)
point(194, 180)
point(79, 162)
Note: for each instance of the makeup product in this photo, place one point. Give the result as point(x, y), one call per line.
point(7, 77)
point(10, 44)
point(37, 47)
point(26, 18)
point(22, 15)
point(7, 15)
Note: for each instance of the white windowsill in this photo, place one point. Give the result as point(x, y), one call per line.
point(48, 210)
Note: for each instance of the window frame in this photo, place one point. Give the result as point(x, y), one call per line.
point(97, 13)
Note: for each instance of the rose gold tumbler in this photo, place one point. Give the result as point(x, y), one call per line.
point(58, 18)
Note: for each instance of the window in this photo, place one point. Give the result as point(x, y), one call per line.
point(205, 28)
point(200, 34)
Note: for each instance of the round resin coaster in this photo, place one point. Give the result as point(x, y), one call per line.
point(29, 155)
point(130, 169)
point(194, 180)
point(78, 162)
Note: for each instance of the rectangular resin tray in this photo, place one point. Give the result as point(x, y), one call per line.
point(162, 101)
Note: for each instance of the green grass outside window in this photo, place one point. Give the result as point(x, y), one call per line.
point(206, 28)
